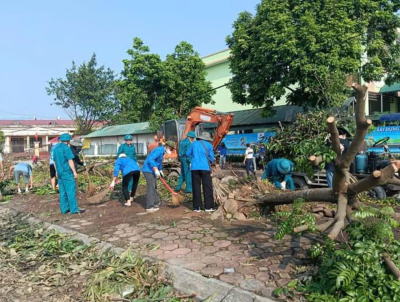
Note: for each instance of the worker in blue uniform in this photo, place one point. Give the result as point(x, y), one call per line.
point(129, 149)
point(280, 171)
point(130, 170)
point(152, 169)
point(201, 153)
point(66, 173)
point(185, 176)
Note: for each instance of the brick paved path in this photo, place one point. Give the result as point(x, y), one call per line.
point(241, 253)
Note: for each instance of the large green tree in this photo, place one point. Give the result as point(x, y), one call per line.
point(304, 50)
point(155, 90)
point(87, 94)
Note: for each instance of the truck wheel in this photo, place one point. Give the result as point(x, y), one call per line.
point(299, 183)
point(377, 192)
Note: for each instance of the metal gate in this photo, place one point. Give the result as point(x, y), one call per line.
point(17, 144)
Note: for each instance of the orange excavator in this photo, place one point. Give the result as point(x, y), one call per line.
point(176, 130)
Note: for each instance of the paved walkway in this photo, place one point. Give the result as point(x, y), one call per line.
point(240, 253)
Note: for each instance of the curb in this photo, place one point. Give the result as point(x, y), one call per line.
point(183, 280)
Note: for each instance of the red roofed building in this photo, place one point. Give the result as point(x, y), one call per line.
point(20, 135)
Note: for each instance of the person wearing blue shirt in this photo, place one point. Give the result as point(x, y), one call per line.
point(130, 170)
point(51, 166)
point(201, 154)
point(65, 167)
point(280, 171)
point(185, 176)
point(129, 149)
point(152, 169)
point(222, 155)
point(25, 170)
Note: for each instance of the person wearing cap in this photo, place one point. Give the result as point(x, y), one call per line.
point(76, 148)
point(152, 169)
point(201, 154)
point(25, 170)
point(330, 167)
point(66, 172)
point(130, 170)
point(185, 176)
point(53, 173)
point(280, 171)
point(129, 149)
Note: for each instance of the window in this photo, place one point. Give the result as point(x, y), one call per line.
point(379, 103)
point(171, 131)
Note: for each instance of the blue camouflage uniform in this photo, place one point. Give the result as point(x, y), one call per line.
point(273, 173)
point(66, 181)
point(130, 152)
point(185, 175)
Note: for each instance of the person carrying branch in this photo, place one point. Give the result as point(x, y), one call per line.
point(66, 173)
point(130, 171)
point(152, 169)
point(185, 176)
point(279, 172)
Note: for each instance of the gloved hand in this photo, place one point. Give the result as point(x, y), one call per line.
point(84, 164)
point(162, 174)
point(112, 185)
point(157, 172)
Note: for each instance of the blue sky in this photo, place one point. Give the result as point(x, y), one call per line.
point(39, 40)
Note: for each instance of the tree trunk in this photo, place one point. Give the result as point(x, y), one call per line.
point(342, 191)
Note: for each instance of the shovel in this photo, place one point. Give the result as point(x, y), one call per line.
point(177, 199)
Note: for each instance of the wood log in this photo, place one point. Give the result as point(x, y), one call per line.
point(390, 264)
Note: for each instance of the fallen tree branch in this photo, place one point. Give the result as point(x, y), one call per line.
point(323, 195)
point(377, 178)
point(390, 264)
point(332, 129)
point(315, 160)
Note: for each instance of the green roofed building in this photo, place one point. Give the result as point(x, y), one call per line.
point(105, 142)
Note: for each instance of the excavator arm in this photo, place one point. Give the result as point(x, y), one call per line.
point(204, 115)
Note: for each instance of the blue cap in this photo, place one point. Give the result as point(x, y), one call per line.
point(65, 137)
point(284, 166)
point(191, 134)
point(128, 137)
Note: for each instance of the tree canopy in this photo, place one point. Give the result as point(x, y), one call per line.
point(303, 50)
point(155, 90)
point(87, 94)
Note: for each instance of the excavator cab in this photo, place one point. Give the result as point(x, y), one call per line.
point(173, 130)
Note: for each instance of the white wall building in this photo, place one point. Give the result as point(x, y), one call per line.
point(21, 134)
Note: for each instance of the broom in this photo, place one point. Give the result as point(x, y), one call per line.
point(90, 189)
point(177, 199)
point(99, 196)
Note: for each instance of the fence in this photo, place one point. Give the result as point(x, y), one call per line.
point(111, 149)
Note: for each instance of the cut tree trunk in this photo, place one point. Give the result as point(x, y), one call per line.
point(343, 190)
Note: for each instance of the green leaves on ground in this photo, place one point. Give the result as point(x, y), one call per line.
point(294, 219)
point(54, 260)
point(353, 270)
point(306, 51)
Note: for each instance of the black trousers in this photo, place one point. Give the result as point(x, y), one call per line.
point(135, 175)
point(199, 178)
